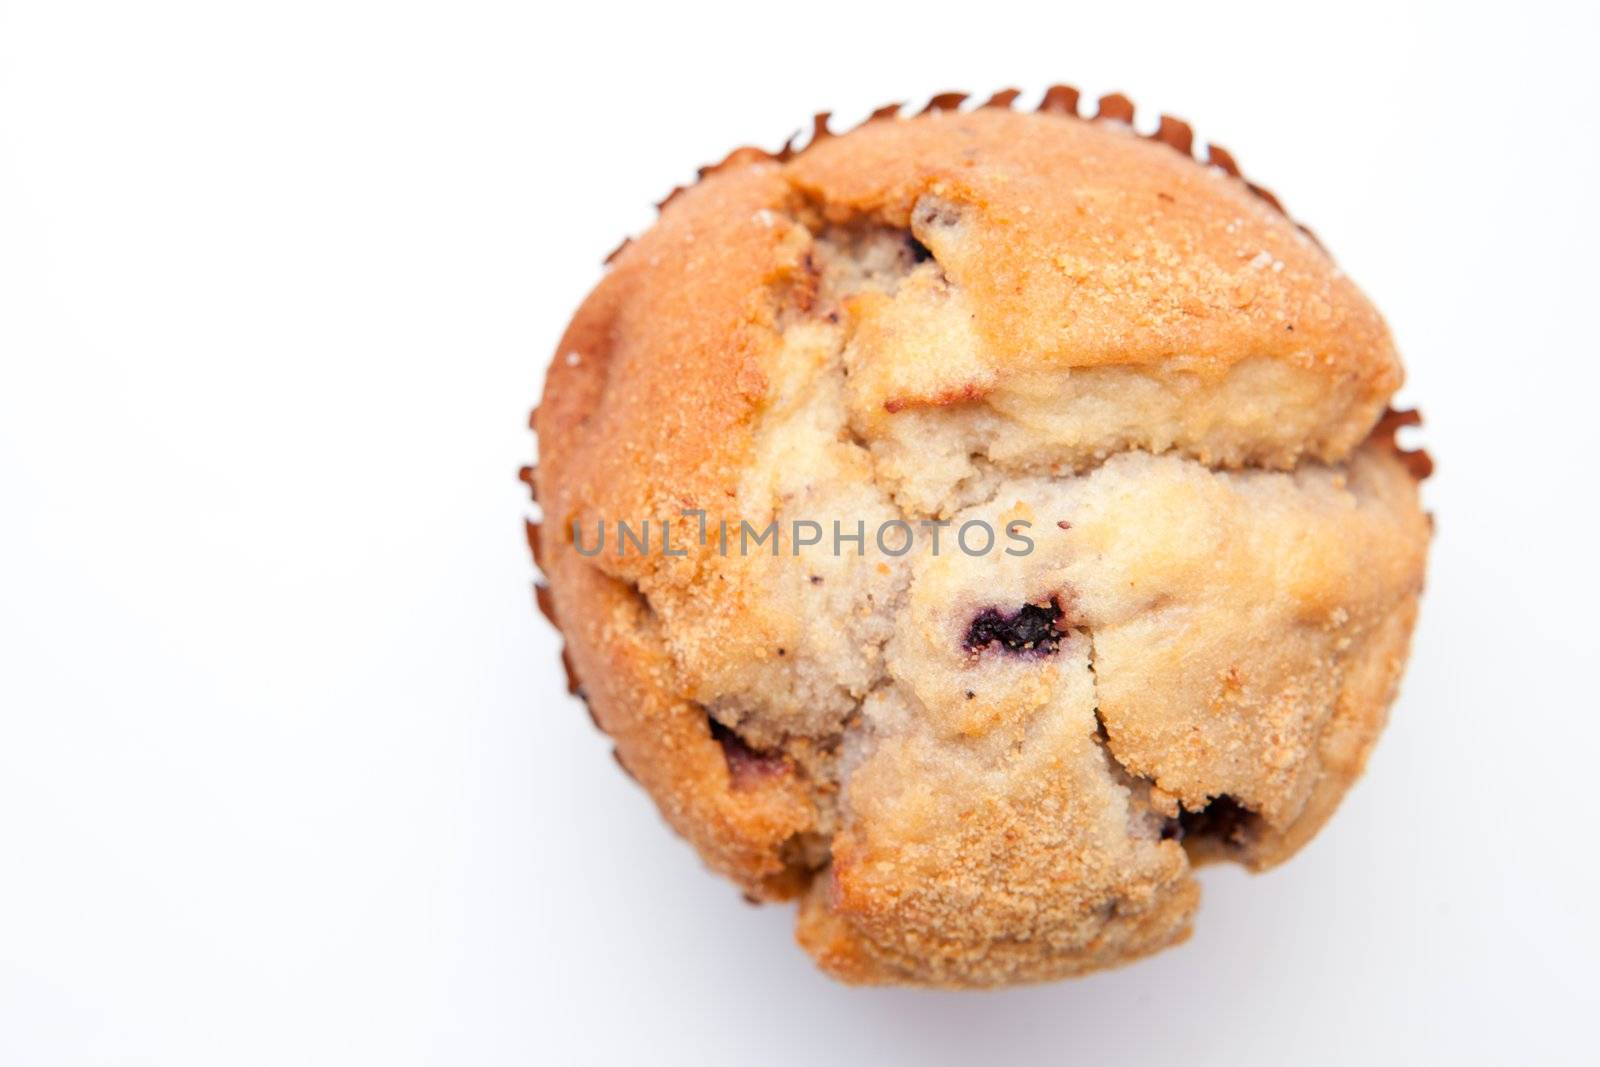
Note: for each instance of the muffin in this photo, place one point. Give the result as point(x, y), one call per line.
point(970, 523)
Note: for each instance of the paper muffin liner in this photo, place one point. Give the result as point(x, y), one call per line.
point(1061, 100)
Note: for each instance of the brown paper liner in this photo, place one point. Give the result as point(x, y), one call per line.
point(1058, 100)
point(1417, 461)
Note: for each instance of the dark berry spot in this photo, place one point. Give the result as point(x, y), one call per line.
point(783, 652)
point(746, 766)
point(1031, 628)
point(816, 579)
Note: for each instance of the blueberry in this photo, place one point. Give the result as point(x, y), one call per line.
point(1031, 628)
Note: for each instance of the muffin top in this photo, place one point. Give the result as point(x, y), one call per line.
point(1000, 766)
point(1072, 244)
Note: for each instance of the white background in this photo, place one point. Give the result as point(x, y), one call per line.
point(287, 774)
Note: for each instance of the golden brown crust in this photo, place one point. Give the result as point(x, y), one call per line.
point(841, 950)
point(665, 741)
point(648, 402)
point(1099, 246)
point(1063, 245)
point(646, 412)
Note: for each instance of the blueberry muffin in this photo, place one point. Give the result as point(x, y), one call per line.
point(970, 523)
